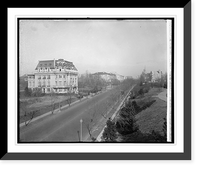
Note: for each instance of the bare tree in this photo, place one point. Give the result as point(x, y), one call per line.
point(89, 129)
point(23, 105)
point(52, 95)
point(32, 116)
point(93, 111)
point(69, 100)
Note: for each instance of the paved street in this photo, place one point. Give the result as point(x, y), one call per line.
point(64, 126)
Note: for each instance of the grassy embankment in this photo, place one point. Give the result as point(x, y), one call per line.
point(141, 119)
point(152, 118)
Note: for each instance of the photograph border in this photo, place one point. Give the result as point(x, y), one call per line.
point(186, 155)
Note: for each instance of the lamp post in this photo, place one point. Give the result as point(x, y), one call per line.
point(81, 132)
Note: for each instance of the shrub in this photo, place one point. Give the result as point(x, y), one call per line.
point(37, 92)
point(109, 134)
point(27, 92)
point(137, 108)
point(157, 137)
point(141, 91)
point(140, 137)
point(128, 111)
point(126, 126)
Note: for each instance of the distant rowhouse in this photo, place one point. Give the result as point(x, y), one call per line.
point(59, 76)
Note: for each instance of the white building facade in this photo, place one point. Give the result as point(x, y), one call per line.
point(120, 77)
point(108, 77)
point(156, 76)
point(58, 76)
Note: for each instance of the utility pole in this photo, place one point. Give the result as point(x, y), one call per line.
point(81, 132)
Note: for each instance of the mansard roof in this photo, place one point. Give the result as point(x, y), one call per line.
point(45, 64)
point(60, 63)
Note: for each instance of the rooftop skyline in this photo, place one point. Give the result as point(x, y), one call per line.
point(125, 47)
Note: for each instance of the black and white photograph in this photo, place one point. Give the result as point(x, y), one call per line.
point(98, 84)
point(95, 80)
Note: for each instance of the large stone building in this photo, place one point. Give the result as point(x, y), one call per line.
point(59, 76)
point(120, 77)
point(108, 77)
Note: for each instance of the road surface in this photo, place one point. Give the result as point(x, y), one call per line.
point(65, 125)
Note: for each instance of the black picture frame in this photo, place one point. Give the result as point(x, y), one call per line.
point(186, 155)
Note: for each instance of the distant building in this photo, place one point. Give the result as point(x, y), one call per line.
point(156, 76)
point(120, 77)
point(108, 77)
point(128, 77)
point(59, 76)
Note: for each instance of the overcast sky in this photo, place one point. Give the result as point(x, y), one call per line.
point(125, 47)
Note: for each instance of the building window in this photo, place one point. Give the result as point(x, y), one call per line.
point(56, 83)
point(60, 83)
point(48, 89)
point(60, 76)
point(64, 83)
point(44, 84)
